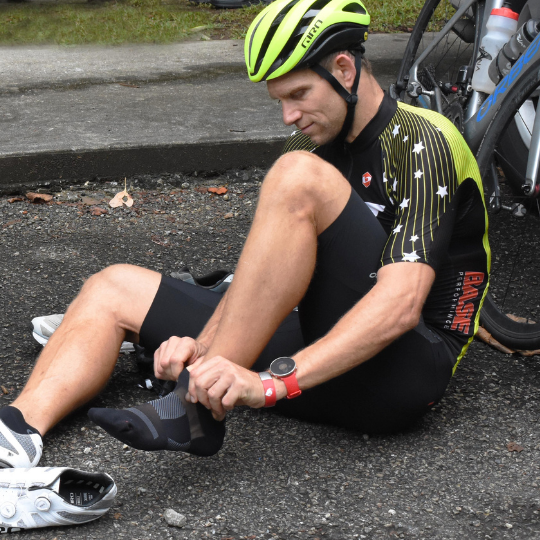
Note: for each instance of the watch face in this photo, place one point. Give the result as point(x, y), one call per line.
point(281, 367)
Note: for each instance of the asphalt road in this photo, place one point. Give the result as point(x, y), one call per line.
point(451, 477)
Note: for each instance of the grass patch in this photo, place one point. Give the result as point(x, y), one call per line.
point(155, 21)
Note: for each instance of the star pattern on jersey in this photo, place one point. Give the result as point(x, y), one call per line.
point(397, 229)
point(406, 138)
point(410, 257)
point(413, 238)
point(394, 185)
point(384, 179)
point(396, 130)
point(442, 191)
point(404, 203)
point(418, 147)
point(418, 174)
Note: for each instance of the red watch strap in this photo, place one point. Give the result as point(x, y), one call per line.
point(269, 389)
point(293, 390)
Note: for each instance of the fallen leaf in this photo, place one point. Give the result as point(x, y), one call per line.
point(118, 515)
point(218, 191)
point(228, 216)
point(514, 447)
point(15, 199)
point(520, 319)
point(5, 391)
point(529, 353)
point(201, 189)
point(486, 337)
point(39, 198)
point(97, 211)
point(122, 198)
point(12, 222)
point(157, 240)
point(89, 201)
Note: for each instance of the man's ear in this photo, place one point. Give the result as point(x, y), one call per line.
point(344, 70)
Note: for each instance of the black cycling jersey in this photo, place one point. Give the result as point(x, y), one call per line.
point(419, 178)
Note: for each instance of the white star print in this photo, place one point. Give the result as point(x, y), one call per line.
point(384, 179)
point(438, 129)
point(404, 203)
point(442, 191)
point(410, 257)
point(394, 185)
point(406, 138)
point(413, 238)
point(418, 147)
point(418, 174)
point(396, 130)
point(397, 229)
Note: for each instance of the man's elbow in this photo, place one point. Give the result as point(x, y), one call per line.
point(409, 317)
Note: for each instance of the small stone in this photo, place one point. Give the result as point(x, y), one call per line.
point(141, 490)
point(508, 525)
point(174, 519)
point(185, 185)
point(87, 450)
point(228, 216)
point(226, 197)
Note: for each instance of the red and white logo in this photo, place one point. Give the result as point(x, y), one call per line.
point(366, 179)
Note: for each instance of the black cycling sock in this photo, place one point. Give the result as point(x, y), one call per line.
point(14, 420)
point(169, 423)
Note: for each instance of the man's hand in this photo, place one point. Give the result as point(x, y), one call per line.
point(220, 385)
point(174, 354)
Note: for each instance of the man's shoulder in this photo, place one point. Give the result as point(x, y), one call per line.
point(298, 141)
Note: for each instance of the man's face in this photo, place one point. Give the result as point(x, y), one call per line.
point(310, 103)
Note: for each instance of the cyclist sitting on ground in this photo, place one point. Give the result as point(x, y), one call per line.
point(373, 223)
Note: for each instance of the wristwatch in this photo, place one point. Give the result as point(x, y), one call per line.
point(284, 368)
point(269, 389)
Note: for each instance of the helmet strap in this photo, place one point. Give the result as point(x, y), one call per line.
point(351, 98)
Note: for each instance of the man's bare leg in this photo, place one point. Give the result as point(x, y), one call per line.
point(81, 355)
point(301, 196)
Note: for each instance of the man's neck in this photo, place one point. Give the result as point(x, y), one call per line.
point(370, 96)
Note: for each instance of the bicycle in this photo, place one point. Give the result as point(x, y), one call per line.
point(503, 131)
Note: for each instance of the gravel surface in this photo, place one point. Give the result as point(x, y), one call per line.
point(452, 477)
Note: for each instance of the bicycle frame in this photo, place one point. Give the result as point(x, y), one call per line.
point(481, 107)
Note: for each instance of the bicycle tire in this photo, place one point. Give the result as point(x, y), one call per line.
point(524, 334)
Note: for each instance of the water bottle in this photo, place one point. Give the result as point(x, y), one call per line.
point(512, 50)
point(501, 25)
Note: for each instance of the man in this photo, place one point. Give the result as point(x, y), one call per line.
point(378, 234)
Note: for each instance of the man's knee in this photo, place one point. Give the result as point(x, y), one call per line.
point(111, 279)
point(307, 184)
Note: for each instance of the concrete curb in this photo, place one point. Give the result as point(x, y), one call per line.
point(73, 114)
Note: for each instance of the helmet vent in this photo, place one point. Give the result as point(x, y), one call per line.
point(271, 31)
point(355, 8)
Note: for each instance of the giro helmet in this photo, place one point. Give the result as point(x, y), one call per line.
point(295, 34)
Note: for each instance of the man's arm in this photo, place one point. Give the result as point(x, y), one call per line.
point(390, 309)
point(386, 312)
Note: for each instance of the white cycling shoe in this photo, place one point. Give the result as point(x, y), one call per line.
point(44, 327)
point(52, 496)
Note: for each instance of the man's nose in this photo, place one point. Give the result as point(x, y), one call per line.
point(291, 114)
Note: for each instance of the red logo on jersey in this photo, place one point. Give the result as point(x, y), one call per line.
point(366, 179)
point(465, 309)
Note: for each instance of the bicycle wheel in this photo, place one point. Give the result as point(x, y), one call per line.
point(512, 306)
point(441, 68)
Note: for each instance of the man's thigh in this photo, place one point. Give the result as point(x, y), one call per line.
point(181, 309)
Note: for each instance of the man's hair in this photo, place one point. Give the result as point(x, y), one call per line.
point(328, 60)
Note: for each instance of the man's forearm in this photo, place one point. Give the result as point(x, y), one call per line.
point(209, 331)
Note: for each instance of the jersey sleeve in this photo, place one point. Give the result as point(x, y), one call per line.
point(421, 182)
point(298, 141)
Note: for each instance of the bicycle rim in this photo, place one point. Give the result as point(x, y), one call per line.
point(441, 66)
point(513, 305)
